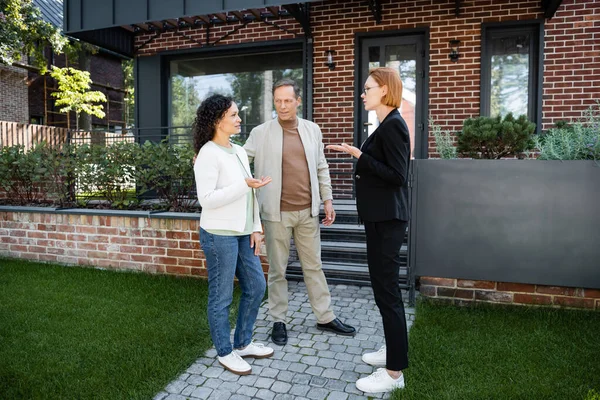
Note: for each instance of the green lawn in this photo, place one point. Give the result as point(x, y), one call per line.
point(494, 352)
point(81, 333)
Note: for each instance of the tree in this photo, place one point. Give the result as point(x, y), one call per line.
point(74, 93)
point(23, 32)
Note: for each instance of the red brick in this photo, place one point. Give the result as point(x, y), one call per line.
point(178, 235)
point(37, 235)
point(143, 242)
point(462, 283)
point(199, 272)
point(153, 250)
point(90, 230)
point(524, 298)
point(515, 287)
point(65, 228)
point(456, 293)
point(426, 280)
point(428, 291)
point(139, 258)
point(594, 293)
point(574, 302)
point(555, 290)
point(57, 236)
point(165, 260)
point(180, 253)
point(87, 246)
point(194, 245)
point(98, 239)
point(496, 297)
point(191, 262)
point(178, 270)
point(131, 249)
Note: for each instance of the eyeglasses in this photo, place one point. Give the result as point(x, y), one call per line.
point(365, 90)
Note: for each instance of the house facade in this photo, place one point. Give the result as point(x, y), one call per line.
point(457, 59)
point(26, 95)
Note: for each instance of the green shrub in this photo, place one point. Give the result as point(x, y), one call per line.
point(167, 169)
point(592, 395)
point(59, 166)
point(444, 141)
point(495, 137)
point(579, 140)
point(107, 172)
point(22, 175)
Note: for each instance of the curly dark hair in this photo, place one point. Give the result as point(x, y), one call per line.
point(208, 116)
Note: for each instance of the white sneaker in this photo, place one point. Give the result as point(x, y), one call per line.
point(234, 363)
point(256, 350)
point(376, 359)
point(379, 382)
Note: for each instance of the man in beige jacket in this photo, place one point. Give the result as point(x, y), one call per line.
point(290, 150)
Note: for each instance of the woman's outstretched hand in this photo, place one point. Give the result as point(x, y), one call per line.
point(255, 183)
point(345, 148)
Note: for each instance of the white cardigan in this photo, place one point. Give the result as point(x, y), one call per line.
point(222, 189)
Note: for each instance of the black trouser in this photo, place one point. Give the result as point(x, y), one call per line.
point(384, 240)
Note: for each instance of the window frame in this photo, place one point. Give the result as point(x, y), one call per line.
point(536, 64)
point(242, 49)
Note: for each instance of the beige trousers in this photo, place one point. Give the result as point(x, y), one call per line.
point(307, 237)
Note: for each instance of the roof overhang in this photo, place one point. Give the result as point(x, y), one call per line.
point(113, 24)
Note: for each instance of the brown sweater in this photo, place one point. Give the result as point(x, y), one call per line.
point(295, 178)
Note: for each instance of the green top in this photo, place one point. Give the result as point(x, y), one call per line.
point(249, 204)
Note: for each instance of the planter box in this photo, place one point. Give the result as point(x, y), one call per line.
point(522, 221)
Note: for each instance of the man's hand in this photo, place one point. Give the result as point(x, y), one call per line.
point(345, 148)
point(255, 241)
point(329, 213)
point(256, 183)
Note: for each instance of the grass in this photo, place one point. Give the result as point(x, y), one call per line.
point(81, 333)
point(494, 352)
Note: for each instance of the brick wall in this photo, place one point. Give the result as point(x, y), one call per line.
point(572, 55)
point(13, 94)
point(460, 291)
point(154, 245)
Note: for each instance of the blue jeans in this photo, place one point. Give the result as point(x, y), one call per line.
point(226, 257)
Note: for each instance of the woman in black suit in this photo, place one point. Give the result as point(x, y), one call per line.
point(381, 176)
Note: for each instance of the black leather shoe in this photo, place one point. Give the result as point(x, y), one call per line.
point(279, 334)
point(337, 326)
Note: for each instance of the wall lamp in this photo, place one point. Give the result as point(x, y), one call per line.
point(329, 54)
point(454, 55)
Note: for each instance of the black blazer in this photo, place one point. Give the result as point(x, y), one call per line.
point(381, 172)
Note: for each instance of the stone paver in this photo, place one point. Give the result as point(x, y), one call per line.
point(313, 365)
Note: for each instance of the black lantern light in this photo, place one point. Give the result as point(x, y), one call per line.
point(329, 54)
point(454, 55)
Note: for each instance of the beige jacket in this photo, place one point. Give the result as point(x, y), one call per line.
point(265, 145)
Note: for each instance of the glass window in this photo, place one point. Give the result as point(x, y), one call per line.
point(510, 70)
point(247, 78)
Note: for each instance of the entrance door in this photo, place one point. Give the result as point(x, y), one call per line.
point(407, 55)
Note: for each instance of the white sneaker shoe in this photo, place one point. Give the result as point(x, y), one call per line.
point(256, 350)
point(379, 382)
point(234, 363)
point(376, 359)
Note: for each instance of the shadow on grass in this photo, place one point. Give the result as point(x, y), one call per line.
point(69, 332)
point(502, 352)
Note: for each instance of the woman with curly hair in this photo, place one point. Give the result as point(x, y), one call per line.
point(230, 231)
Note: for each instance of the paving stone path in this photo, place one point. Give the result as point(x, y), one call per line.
point(313, 365)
